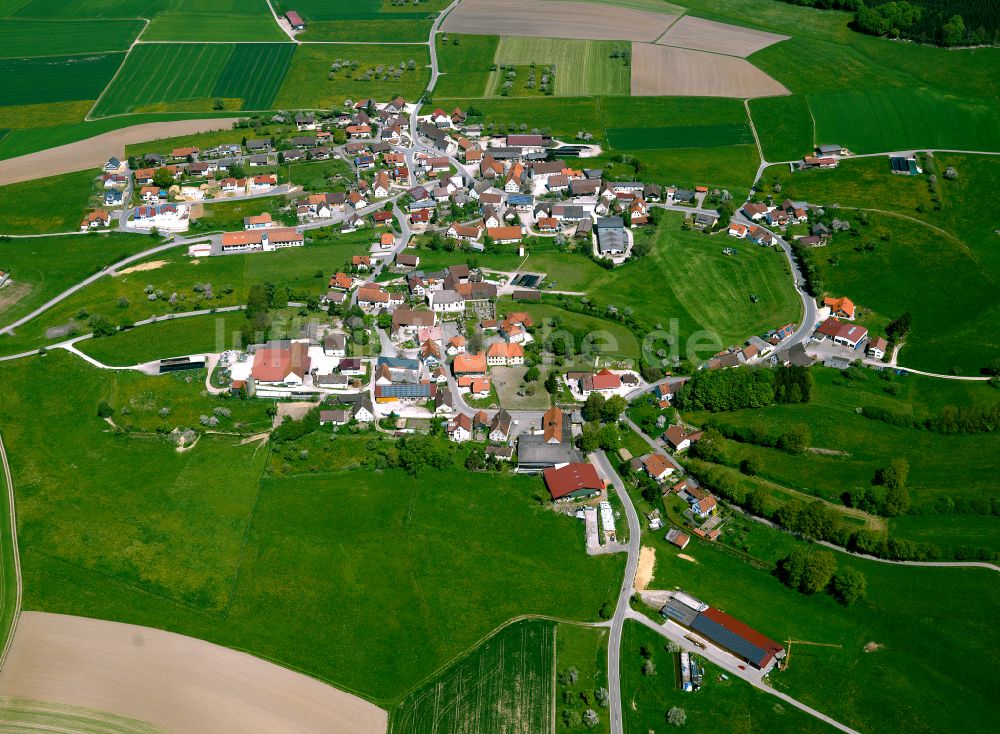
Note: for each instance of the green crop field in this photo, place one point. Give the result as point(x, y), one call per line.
point(868, 121)
point(156, 77)
point(173, 338)
point(67, 196)
point(465, 66)
point(23, 38)
point(941, 465)
point(720, 705)
point(694, 136)
point(56, 78)
point(368, 627)
point(785, 126)
point(309, 82)
point(581, 67)
point(22, 714)
point(214, 27)
point(360, 9)
point(893, 687)
point(365, 20)
point(43, 267)
point(504, 684)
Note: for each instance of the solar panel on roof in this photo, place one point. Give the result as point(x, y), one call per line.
point(729, 640)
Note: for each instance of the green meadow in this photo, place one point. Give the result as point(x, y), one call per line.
point(56, 78)
point(66, 198)
point(21, 38)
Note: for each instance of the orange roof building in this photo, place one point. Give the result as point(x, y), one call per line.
point(841, 307)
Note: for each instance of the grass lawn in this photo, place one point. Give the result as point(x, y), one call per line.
point(950, 533)
point(329, 175)
point(173, 338)
point(229, 215)
point(165, 523)
point(66, 197)
point(586, 649)
point(725, 167)
point(311, 84)
point(785, 126)
point(56, 78)
point(504, 684)
point(720, 705)
point(231, 276)
point(610, 338)
point(214, 27)
point(897, 686)
point(581, 67)
point(43, 267)
point(413, 30)
point(956, 465)
point(693, 136)
point(465, 66)
point(21, 38)
point(506, 386)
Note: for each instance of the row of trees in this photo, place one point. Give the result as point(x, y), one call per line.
point(745, 387)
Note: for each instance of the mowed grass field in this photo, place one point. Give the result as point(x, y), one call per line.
point(171, 338)
point(505, 684)
point(45, 205)
point(344, 597)
point(214, 27)
point(785, 126)
point(43, 267)
point(24, 38)
point(465, 66)
point(309, 83)
point(158, 76)
point(582, 67)
point(732, 706)
point(29, 81)
point(694, 136)
point(365, 20)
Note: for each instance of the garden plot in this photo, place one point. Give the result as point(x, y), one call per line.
point(171, 681)
point(721, 38)
point(547, 19)
point(664, 70)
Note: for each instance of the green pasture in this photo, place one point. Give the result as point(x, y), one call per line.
point(694, 136)
point(214, 27)
point(24, 38)
point(504, 684)
point(413, 30)
point(45, 205)
point(465, 66)
point(211, 333)
point(950, 533)
point(785, 126)
point(191, 76)
point(310, 83)
point(56, 78)
point(43, 267)
point(128, 8)
point(360, 10)
point(582, 67)
point(586, 649)
point(329, 175)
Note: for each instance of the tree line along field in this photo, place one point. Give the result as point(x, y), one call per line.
point(21, 38)
point(56, 78)
point(343, 599)
point(157, 76)
point(503, 685)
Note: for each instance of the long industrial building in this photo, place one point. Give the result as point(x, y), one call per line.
point(727, 632)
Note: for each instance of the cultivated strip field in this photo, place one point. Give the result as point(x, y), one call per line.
point(56, 78)
point(94, 152)
point(22, 714)
point(664, 70)
point(157, 74)
point(52, 37)
point(707, 35)
point(504, 686)
point(171, 681)
point(583, 68)
point(548, 19)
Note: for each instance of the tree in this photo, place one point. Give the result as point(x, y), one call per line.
point(757, 501)
point(820, 568)
point(796, 439)
point(104, 410)
point(384, 321)
point(893, 478)
point(571, 718)
point(899, 328)
point(593, 408)
point(163, 178)
point(602, 697)
point(676, 716)
point(532, 374)
point(590, 438)
point(849, 586)
point(552, 383)
point(649, 668)
point(590, 718)
point(751, 466)
point(953, 32)
point(610, 439)
point(476, 460)
point(613, 407)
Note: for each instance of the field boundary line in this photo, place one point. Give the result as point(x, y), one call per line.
point(671, 25)
point(14, 553)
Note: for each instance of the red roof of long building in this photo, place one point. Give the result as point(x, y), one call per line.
point(572, 478)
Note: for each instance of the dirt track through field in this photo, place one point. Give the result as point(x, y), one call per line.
point(94, 152)
point(665, 71)
point(547, 19)
point(722, 38)
point(184, 685)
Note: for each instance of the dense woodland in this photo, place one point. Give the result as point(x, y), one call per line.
point(941, 22)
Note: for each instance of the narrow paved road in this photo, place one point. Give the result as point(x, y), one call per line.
point(600, 460)
point(12, 552)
